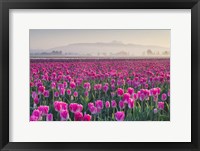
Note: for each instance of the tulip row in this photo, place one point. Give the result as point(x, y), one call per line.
point(109, 90)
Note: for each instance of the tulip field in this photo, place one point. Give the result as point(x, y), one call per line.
point(99, 90)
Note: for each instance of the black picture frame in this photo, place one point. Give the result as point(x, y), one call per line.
point(5, 5)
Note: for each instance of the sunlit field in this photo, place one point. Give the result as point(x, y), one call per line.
point(100, 90)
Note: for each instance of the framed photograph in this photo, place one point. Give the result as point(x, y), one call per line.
point(100, 75)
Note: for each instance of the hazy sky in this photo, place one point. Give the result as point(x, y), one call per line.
point(50, 38)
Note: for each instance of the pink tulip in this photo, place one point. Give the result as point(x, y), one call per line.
point(62, 91)
point(168, 93)
point(130, 90)
point(135, 96)
point(87, 117)
point(78, 116)
point(107, 105)
point(119, 116)
point(65, 84)
point(158, 90)
point(59, 106)
point(56, 94)
point(90, 105)
point(164, 97)
point(75, 94)
point(46, 93)
point(36, 113)
point(49, 117)
point(105, 88)
point(131, 103)
point(87, 86)
point(34, 118)
point(69, 92)
point(126, 97)
point(72, 85)
point(36, 100)
point(161, 105)
point(86, 93)
point(60, 86)
point(64, 115)
point(34, 95)
point(53, 85)
point(93, 110)
point(120, 91)
point(41, 89)
point(97, 86)
point(32, 84)
point(113, 104)
point(121, 104)
point(99, 104)
point(63, 105)
point(43, 109)
point(75, 107)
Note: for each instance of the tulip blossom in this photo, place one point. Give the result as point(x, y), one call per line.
point(64, 115)
point(75, 94)
point(161, 105)
point(168, 93)
point(131, 103)
point(93, 110)
point(34, 95)
point(36, 100)
point(119, 116)
point(126, 97)
point(90, 105)
point(99, 104)
point(113, 104)
point(87, 86)
point(72, 85)
point(32, 84)
point(62, 91)
point(155, 110)
point(75, 107)
point(107, 104)
point(49, 117)
point(87, 117)
point(41, 89)
point(78, 116)
point(121, 104)
point(130, 90)
point(56, 94)
point(120, 91)
point(86, 93)
point(34, 118)
point(43, 109)
point(164, 97)
point(59, 106)
point(36, 113)
point(46, 93)
point(105, 88)
point(53, 85)
point(69, 92)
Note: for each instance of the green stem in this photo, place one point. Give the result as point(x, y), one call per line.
point(142, 105)
point(113, 114)
point(53, 95)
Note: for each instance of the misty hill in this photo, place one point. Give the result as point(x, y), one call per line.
point(102, 48)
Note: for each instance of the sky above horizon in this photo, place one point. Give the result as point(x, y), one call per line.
point(50, 38)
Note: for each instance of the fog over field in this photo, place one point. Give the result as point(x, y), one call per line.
point(99, 43)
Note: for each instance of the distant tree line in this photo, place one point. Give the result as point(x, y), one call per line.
point(150, 52)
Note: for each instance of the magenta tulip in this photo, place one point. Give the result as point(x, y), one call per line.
point(119, 116)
